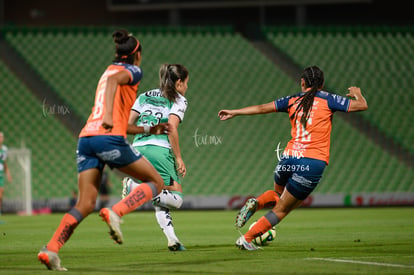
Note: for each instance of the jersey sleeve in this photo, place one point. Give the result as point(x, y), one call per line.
point(136, 74)
point(338, 103)
point(137, 106)
point(179, 108)
point(282, 104)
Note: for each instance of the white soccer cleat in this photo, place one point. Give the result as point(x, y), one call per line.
point(248, 209)
point(241, 243)
point(50, 259)
point(113, 221)
point(126, 187)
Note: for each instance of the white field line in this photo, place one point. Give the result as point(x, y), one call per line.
point(361, 262)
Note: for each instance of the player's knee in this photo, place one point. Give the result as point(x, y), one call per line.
point(86, 207)
point(159, 186)
point(278, 188)
point(158, 182)
point(168, 200)
point(178, 202)
point(174, 204)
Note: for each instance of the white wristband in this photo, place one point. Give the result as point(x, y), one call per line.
point(147, 129)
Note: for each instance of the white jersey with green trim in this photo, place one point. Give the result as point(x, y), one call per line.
point(153, 109)
point(3, 157)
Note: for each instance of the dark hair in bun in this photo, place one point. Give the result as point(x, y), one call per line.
point(126, 46)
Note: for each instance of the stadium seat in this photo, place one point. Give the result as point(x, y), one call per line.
point(235, 157)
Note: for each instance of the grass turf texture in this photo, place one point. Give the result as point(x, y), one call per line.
point(374, 240)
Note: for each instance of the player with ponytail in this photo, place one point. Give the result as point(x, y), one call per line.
point(307, 153)
point(102, 142)
point(164, 104)
point(314, 79)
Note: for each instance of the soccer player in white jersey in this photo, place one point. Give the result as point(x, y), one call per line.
point(165, 104)
point(4, 169)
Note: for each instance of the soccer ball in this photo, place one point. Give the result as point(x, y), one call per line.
point(266, 238)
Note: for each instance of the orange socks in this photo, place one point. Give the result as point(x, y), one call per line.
point(141, 194)
point(261, 226)
point(267, 199)
point(138, 196)
point(62, 234)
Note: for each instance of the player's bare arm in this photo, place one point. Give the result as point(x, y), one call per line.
point(358, 103)
point(251, 110)
point(159, 129)
point(133, 129)
point(8, 174)
point(174, 121)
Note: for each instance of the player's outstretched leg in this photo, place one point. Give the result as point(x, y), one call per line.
point(248, 209)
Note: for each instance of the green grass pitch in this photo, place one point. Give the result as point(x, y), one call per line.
point(308, 241)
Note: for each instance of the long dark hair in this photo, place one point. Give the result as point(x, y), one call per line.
point(126, 46)
point(314, 78)
point(169, 74)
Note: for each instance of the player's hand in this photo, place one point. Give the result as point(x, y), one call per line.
point(107, 123)
point(225, 114)
point(181, 169)
point(354, 92)
point(160, 129)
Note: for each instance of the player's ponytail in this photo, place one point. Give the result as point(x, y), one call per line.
point(314, 78)
point(169, 74)
point(126, 46)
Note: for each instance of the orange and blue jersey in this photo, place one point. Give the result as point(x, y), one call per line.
point(314, 140)
point(124, 99)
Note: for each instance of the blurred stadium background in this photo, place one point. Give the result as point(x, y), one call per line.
point(239, 53)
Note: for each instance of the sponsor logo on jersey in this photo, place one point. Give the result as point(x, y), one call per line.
point(155, 101)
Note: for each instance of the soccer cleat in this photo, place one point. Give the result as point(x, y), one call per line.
point(248, 209)
point(113, 221)
point(126, 187)
point(176, 247)
point(50, 259)
point(241, 243)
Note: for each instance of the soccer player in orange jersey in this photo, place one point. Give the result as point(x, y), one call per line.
point(306, 154)
point(103, 142)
